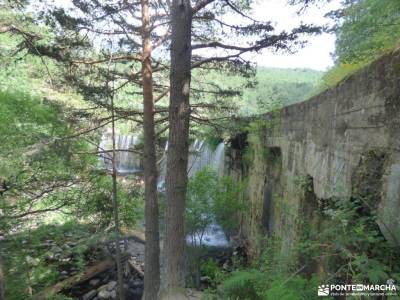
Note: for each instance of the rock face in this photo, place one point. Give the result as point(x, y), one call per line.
point(337, 144)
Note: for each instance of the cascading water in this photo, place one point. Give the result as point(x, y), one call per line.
point(127, 162)
point(219, 159)
point(201, 155)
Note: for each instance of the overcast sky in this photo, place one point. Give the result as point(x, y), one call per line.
point(316, 54)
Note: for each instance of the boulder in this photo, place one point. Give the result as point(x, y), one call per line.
point(89, 295)
point(103, 287)
point(94, 282)
point(104, 295)
point(111, 285)
point(56, 249)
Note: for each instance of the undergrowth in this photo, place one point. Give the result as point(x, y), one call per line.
point(350, 248)
point(25, 255)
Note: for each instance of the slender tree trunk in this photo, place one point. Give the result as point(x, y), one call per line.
point(178, 145)
point(152, 246)
point(1, 284)
point(115, 209)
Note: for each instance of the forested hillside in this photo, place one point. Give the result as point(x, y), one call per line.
point(279, 87)
point(365, 30)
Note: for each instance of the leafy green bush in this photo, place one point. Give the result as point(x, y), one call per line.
point(210, 268)
point(97, 206)
point(243, 285)
point(213, 199)
point(351, 247)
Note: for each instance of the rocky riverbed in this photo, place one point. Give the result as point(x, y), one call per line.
point(102, 284)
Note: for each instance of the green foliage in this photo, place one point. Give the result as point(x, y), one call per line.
point(34, 157)
point(212, 199)
point(25, 120)
point(228, 204)
point(350, 247)
point(257, 285)
point(28, 267)
point(97, 207)
point(293, 288)
point(368, 29)
point(279, 87)
point(210, 268)
point(201, 191)
point(243, 285)
point(354, 241)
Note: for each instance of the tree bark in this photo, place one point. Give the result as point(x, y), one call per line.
point(178, 145)
point(152, 246)
point(115, 205)
point(1, 284)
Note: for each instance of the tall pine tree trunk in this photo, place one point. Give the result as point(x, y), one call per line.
point(152, 247)
point(115, 205)
point(178, 145)
point(1, 284)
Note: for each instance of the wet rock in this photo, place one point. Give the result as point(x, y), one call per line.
point(135, 293)
point(56, 249)
point(67, 259)
point(90, 295)
point(103, 295)
point(113, 295)
point(49, 255)
point(32, 261)
point(205, 279)
point(103, 287)
point(136, 284)
point(94, 282)
point(111, 285)
point(71, 244)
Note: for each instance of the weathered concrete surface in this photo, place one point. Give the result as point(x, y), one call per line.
point(331, 139)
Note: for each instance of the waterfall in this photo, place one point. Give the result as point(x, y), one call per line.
point(126, 162)
point(213, 236)
point(201, 155)
point(219, 159)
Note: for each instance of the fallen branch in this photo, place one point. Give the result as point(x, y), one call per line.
point(89, 273)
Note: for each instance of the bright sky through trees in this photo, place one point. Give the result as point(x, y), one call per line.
point(316, 54)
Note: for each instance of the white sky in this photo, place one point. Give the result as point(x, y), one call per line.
point(316, 54)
